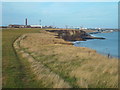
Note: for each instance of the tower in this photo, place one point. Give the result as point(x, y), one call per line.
point(40, 22)
point(26, 21)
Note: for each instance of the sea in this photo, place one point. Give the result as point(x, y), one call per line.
point(107, 46)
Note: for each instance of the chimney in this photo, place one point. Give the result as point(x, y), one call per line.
point(26, 21)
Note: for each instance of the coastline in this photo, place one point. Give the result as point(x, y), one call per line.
point(69, 62)
point(104, 54)
point(79, 35)
point(54, 62)
point(104, 47)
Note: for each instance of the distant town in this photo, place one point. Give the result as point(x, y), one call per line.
point(66, 27)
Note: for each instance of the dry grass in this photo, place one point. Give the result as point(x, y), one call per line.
point(44, 74)
point(80, 67)
point(15, 72)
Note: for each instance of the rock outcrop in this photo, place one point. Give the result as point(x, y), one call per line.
point(74, 35)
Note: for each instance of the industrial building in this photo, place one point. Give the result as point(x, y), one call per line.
point(18, 26)
point(36, 26)
point(28, 26)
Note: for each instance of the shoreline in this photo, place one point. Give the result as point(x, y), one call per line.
point(73, 35)
point(68, 60)
point(100, 52)
point(72, 43)
point(104, 54)
point(85, 37)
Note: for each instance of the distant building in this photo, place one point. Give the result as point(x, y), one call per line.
point(3, 26)
point(14, 26)
point(47, 27)
point(18, 26)
point(36, 26)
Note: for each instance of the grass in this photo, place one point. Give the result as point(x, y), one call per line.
point(57, 63)
point(0, 58)
point(13, 68)
point(80, 67)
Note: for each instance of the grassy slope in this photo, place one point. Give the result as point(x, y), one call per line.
point(68, 62)
point(81, 67)
point(0, 58)
point(14, 75)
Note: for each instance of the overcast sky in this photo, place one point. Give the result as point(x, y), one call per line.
point(86, 14)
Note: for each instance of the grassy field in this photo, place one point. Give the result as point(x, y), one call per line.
point(0, 58)
point(14, 74)
point(57, 63)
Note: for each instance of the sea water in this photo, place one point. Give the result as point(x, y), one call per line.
point(103, 46)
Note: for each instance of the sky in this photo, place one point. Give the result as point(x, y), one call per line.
point(60, 0)
point(60, 14)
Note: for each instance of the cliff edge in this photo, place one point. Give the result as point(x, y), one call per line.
point(73, 35)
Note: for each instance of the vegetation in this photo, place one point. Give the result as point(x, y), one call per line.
point(13, 69)
point(42, 60)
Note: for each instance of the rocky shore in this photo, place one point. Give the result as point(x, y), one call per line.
point(73, 35)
